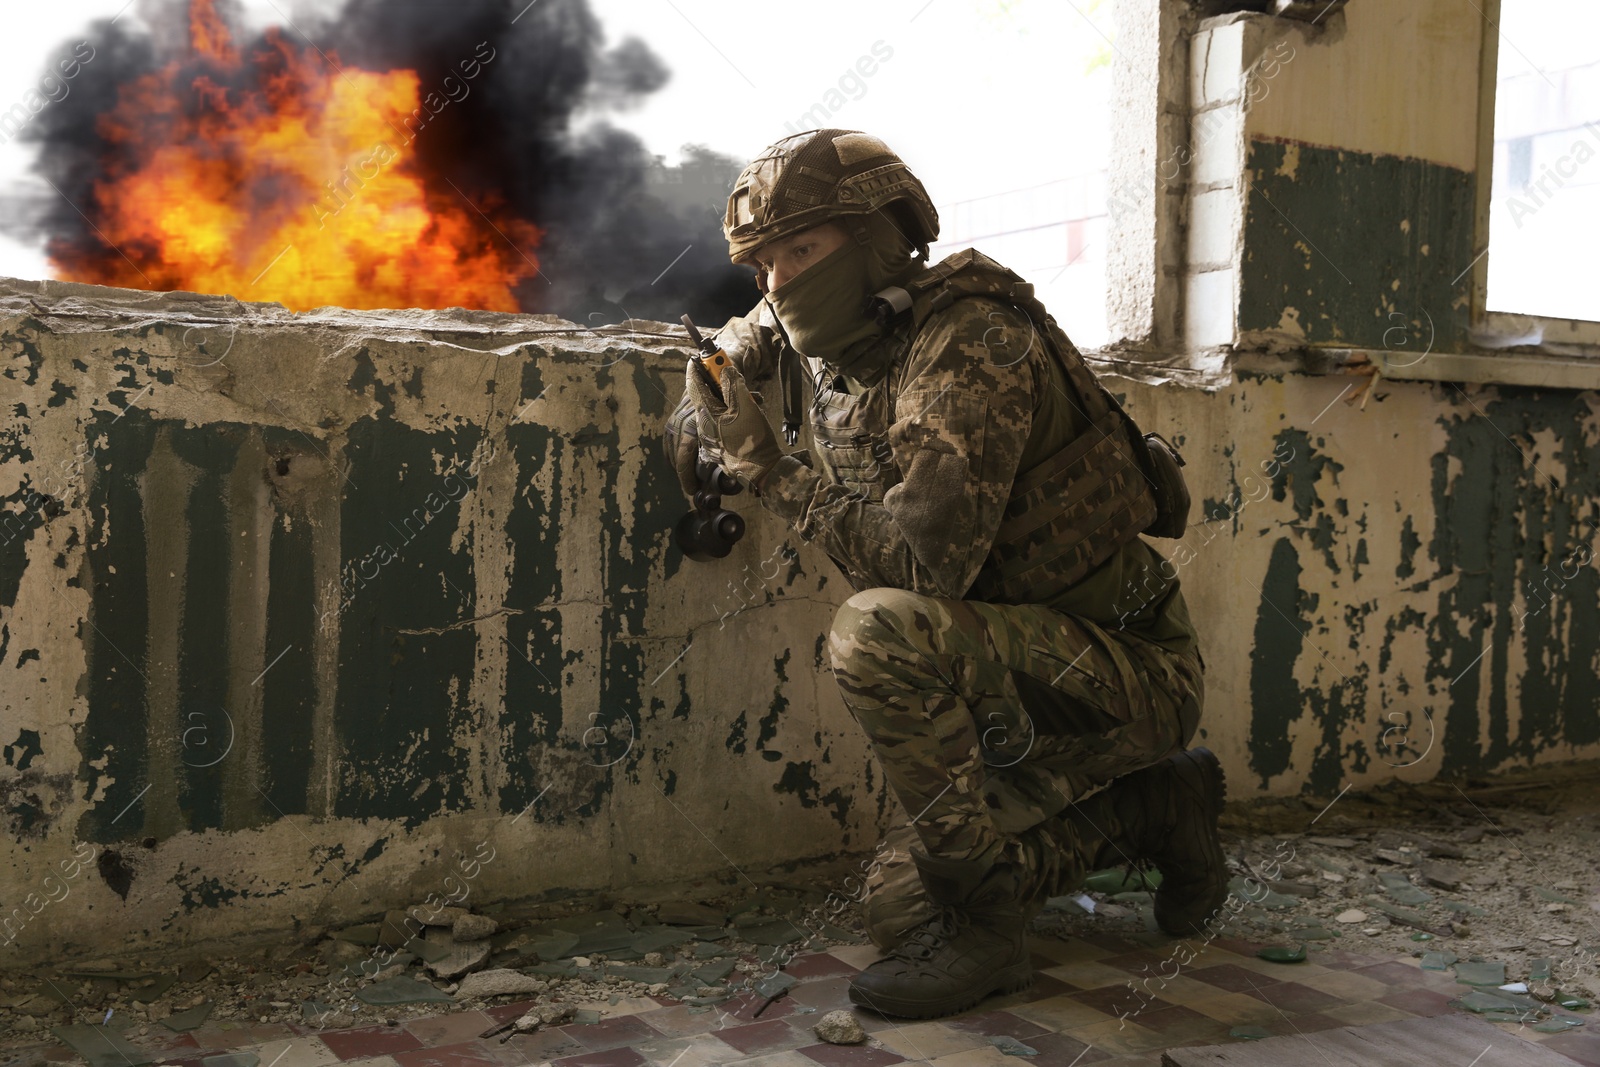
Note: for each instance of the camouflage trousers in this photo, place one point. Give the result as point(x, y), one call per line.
point(988, 721)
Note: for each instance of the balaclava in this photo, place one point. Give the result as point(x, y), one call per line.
point(824, 309)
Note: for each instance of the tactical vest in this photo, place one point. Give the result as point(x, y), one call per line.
point(1066, 515)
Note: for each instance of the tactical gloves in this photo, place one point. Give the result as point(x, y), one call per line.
point(750, 346)
point(682, 438)
point(734, 431)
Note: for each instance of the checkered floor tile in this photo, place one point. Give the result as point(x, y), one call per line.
point(1100, 999)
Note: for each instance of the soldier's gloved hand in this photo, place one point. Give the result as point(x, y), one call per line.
point(734, 433)
point(681, 441)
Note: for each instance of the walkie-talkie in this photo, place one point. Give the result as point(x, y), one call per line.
point(710, 531)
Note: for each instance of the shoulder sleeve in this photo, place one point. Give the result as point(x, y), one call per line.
point(751, 342)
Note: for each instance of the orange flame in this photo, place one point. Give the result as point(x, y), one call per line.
point(304, 190)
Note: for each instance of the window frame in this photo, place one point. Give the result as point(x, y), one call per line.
point(1582, 334)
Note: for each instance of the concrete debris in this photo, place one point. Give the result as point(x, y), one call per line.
point(1442, 875)
point(500, 982)
point(544, 1015)
point(433, 915)
point(470, 927)
point(840, 1028)
point(462, 959)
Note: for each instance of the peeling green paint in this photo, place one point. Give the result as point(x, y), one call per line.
point(1501, 524)
point(779, 702)
point(402, 691)
point(1366, 249)
point(1409, 543)
point(1275, 697)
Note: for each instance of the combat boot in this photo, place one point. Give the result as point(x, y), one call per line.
point(1165, 816)
point(973, 945)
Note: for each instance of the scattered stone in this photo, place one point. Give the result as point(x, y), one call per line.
point(434, 915)
point(840, 1028)
point(500, 982)
point(461, 960)
point(40, 1004)
point(654, 959)
point(1443, 875)
point(470, 927)
point(555, 1014)
point(195, 971)
point(1351, 915)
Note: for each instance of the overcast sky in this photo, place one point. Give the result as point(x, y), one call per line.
point(980, 96)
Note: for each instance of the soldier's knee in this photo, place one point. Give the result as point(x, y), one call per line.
point(871, 621)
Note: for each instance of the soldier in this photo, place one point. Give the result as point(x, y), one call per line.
point(1027, 675)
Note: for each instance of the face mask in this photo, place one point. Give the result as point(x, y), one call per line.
point(824, 309)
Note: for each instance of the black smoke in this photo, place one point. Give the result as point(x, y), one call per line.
point(625, 233)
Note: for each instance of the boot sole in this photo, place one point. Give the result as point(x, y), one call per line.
point(1202, 763)
point(1013, 979)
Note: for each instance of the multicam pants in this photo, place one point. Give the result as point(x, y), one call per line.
point(988, 721)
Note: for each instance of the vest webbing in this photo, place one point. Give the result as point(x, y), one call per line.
point(1070, 512)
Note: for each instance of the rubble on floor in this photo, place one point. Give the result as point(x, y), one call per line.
point(1499, 891)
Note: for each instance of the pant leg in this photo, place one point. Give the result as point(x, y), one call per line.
point(990, 719)
point(893, 900)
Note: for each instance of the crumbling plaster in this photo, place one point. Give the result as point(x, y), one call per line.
point(296, 610)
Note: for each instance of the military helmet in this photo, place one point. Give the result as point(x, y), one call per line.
point(818, 176)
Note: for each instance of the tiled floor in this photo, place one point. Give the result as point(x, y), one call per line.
point(1083, 1008)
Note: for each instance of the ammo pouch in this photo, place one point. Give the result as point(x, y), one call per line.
point(1159, 459)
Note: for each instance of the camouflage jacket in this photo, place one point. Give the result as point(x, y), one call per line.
point(907, 477)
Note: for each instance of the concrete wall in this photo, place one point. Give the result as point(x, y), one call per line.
point(296, 611)
point(1400, 587)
